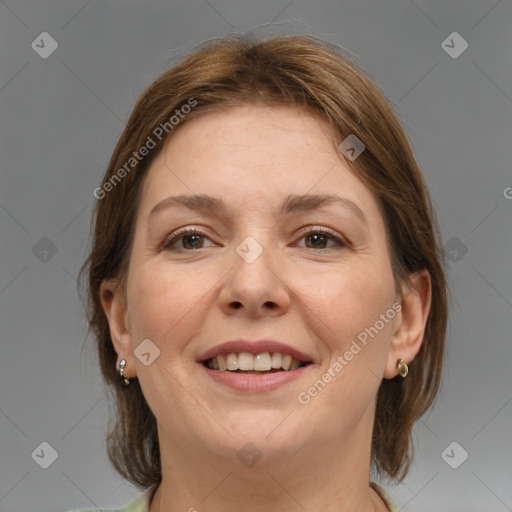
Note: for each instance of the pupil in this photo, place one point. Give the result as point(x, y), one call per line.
point(317, 237)
point(187, 238)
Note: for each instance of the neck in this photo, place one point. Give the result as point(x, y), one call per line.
point(328, 477)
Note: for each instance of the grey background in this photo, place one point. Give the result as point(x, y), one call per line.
point(61, 117)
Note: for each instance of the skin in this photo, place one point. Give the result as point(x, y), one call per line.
point(315, 297)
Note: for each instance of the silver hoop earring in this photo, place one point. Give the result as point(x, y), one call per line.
point(126, 380)
point(402, 368)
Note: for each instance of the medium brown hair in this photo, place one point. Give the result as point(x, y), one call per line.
point(295, 71)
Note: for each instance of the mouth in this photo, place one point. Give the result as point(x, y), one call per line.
point(245, 363)
point(255, 366)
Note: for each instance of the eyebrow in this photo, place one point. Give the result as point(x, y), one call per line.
point(291, 204)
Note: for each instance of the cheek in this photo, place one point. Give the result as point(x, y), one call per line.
point(164, 308)
point(357, 343)
point(355, 299)
point(163, 303)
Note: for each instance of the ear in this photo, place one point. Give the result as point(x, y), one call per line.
point(410, 323)
point(115, 308)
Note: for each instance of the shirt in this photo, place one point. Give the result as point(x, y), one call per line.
point(141, 502)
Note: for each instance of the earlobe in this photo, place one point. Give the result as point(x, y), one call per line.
point(114, 306)
point(409, 332)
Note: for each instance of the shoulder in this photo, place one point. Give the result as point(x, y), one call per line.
point(139, 504)
point(385, 496)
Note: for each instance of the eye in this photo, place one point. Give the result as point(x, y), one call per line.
point(191, 239)
point(318, 237)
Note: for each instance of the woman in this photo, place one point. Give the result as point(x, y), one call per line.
point(266, 285)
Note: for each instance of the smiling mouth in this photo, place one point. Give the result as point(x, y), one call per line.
point(246, 363)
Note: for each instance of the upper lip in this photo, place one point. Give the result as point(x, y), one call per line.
point(254, 347)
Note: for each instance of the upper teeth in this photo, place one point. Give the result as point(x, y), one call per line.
point(246, 361)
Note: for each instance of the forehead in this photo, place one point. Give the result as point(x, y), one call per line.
point(252, 157)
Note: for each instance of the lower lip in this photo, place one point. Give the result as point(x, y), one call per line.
point(254, 383)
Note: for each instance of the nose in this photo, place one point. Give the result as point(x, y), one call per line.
point(255, 288)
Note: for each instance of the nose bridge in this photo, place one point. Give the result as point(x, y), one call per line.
point(255, 285)
point(253, 262)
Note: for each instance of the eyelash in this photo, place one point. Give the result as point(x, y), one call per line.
point(179, 234)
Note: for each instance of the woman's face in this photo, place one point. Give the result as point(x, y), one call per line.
point(315, 277)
